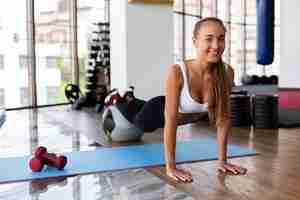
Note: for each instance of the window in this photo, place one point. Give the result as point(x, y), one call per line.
point(63, 6)
point(51, 61)
point(23, 62)
point(239, 17)
point(14, 40)
point(2, 97)
point(52, 94)
point(1, 62)
point(24, 96)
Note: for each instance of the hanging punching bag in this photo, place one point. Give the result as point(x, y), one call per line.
point(265, 11)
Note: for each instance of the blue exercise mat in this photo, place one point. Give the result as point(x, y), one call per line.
point(116, 158)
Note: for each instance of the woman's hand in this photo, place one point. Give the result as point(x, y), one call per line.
point(179, 175)
point(227, 167)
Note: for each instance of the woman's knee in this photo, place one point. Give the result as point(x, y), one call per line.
point(151, 115)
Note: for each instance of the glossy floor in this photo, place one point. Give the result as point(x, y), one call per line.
point(273, 174)
point(63, 130)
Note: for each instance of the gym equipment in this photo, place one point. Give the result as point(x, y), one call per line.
point(91, 79)
point(240, 105)
point(265, 111)
point(118, 158)
point(72, 92)
point(265, 11)
point(253, 89)
point(91, 86)
point(112, 98)
point(255, 79)
point(288, 118)
point(264, 80)
point(79, 103)
point(274, 79)
point(101, 94)
point(118, 121)
point(41, 157)
point(246, 79)
point(98, 71)
point(239, 92)
point(129, 94)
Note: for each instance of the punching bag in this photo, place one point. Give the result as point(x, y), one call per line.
point(265, 11)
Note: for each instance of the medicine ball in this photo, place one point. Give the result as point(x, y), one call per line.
point(117, 121)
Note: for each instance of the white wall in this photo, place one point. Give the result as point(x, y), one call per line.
point(147, 34)
point(289, 44)
point(118, 39)
point(151, 46)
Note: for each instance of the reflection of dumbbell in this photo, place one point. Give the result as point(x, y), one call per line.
point(42, 185)
point(41, 157)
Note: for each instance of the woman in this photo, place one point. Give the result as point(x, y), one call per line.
point(196, 87)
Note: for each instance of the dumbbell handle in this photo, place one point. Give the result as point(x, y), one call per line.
point(53, 160)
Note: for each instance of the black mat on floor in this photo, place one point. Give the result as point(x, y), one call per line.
point(288, 118)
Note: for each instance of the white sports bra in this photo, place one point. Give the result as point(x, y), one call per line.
point(186, 103)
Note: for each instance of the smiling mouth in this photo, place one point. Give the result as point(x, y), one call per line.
point(214, 54)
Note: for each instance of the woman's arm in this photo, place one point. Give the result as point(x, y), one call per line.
point(172, 92)
point(224, 125)
point(222, 136)
point(223, 129)
point(173, 87)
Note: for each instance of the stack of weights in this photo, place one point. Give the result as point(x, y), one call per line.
point(240, 109)
point(98, 70)
point(265, 111)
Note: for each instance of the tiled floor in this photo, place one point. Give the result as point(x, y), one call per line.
point(62, 130)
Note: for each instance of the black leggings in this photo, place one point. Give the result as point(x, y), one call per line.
point(151, 115)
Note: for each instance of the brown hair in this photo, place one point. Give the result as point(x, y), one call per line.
point(219, 84)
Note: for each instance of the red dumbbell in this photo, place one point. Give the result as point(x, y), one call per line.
point(36, 164)
point(42, 157)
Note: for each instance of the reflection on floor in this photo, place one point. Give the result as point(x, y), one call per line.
point(135, 184)
point(273, 174)
point(63, 130)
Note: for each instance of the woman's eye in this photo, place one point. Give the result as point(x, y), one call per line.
point(208, 39)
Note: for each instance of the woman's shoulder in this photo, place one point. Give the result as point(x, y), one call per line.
point(174, 72)
point(178, 66)
point(174, 68)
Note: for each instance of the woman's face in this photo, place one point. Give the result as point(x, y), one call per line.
point(210, 42)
